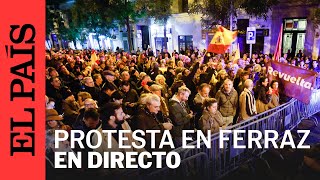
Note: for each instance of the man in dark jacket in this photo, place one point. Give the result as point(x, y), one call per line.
point(91, 121)
point(106, 93)
point(180, 113)
point(130, 99)
point(54, 91)
point(147, 119)
point(187, 78)
point(90, 88)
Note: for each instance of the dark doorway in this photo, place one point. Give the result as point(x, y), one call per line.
point(242, 25)
point(145, 37)
point(160, 43)
point(185, 42)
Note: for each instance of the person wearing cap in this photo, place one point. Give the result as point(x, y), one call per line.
point(70, 107)
point(110, 78)
point(54, 121)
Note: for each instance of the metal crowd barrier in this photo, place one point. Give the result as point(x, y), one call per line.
point(307, 111)
point(284, 117)
point(192, 167)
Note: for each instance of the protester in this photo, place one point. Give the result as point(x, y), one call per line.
point(211, 118)
point(148, 118)
point(262, 94)
point(54, 121)
point(181, 81)
point(180, 113)
point(275, 101)
point(227, 98)
point(247, 101)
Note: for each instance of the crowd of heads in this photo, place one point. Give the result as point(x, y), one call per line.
point(88, 89)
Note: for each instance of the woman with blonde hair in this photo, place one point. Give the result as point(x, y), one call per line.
point(161, 80)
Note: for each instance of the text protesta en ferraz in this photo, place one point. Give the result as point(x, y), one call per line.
point(239, 139)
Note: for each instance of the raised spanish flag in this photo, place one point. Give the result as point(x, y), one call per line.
point(221, 40)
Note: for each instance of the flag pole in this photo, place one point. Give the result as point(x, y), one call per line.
point(231, 24)
point(205, 53)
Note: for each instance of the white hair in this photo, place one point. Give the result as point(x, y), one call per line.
point(152, 98)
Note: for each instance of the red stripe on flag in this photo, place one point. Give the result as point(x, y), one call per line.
point(24, 19)
point(217, 48)
point(277, 53)
point(222, 40)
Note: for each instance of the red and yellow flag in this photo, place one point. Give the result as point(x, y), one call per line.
point(221, 40)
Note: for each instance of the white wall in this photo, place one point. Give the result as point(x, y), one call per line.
point(185, 24)
point(180, 24)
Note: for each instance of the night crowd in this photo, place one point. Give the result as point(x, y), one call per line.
point(89, 89)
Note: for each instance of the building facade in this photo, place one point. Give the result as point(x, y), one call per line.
point(184, 30)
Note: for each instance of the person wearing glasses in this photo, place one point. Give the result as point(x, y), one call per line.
point(88, 103)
